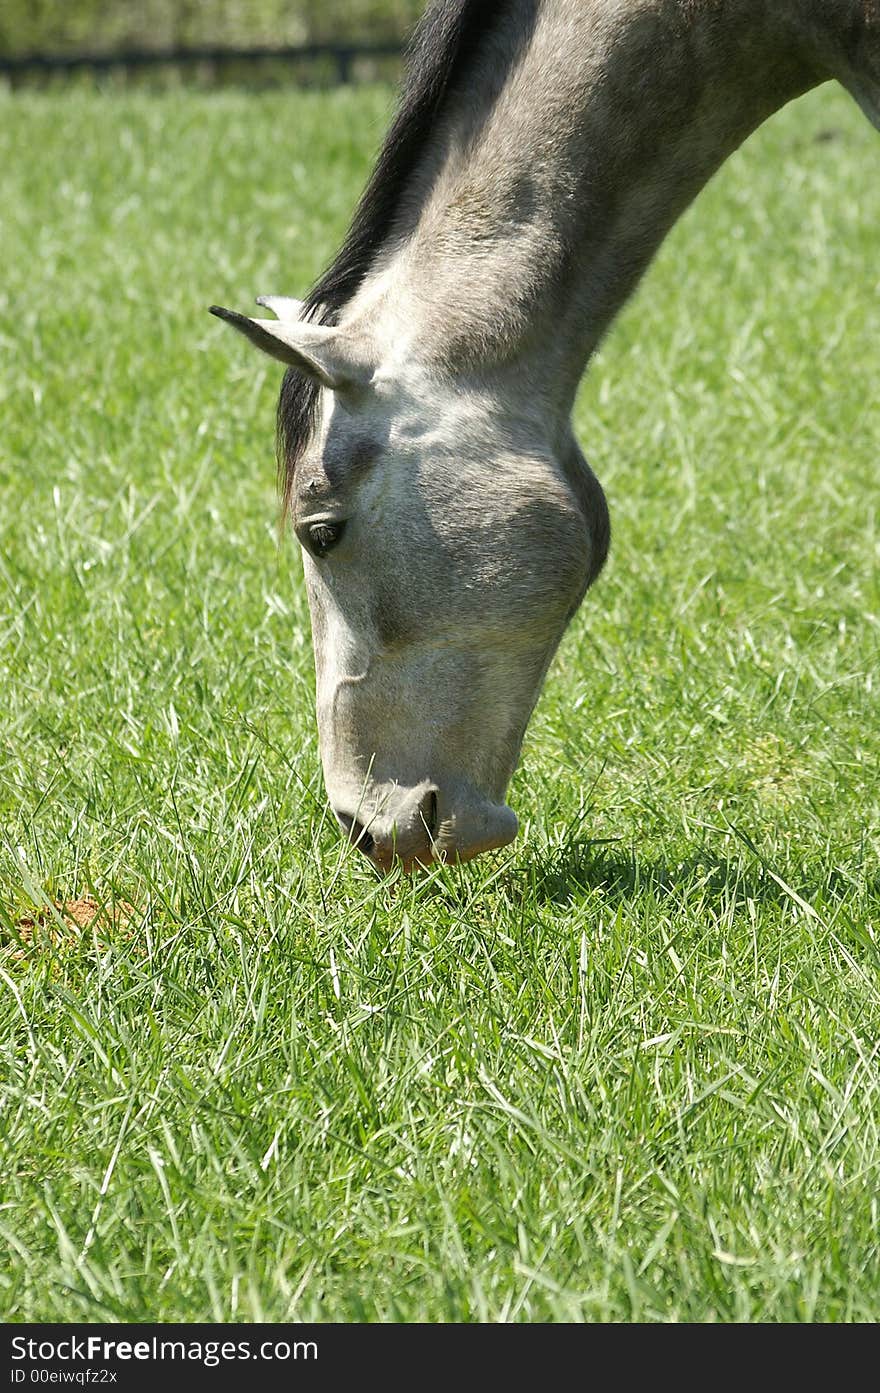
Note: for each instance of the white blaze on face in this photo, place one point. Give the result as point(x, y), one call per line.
point(343, 658)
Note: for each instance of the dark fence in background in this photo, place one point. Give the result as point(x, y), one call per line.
point(344, 61)
point(202, 39)
point(322, 40)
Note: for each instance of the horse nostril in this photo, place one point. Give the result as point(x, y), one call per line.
point(429, 813)
point(362, 839)
point(357, 834)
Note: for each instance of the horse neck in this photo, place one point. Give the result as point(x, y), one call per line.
point(585, 129)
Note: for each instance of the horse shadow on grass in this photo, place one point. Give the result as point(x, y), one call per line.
point(582, 867)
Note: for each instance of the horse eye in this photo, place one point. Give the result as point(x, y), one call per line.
point(323, 537)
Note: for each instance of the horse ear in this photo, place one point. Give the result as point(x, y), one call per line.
point(282, 306)
point(328, 355)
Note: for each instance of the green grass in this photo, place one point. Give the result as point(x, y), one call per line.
point(626, 1069)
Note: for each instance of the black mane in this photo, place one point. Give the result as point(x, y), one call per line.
point(445, 38)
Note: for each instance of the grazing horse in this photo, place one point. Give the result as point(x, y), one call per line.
point(450, 523)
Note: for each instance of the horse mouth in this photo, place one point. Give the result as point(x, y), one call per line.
point(429, 829)
point(440, 854)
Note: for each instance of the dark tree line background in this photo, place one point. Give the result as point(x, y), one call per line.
point(108, 26)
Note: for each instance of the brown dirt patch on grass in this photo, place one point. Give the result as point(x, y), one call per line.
point(82, 915)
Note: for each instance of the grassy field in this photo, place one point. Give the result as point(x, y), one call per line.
point(626, 1069)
